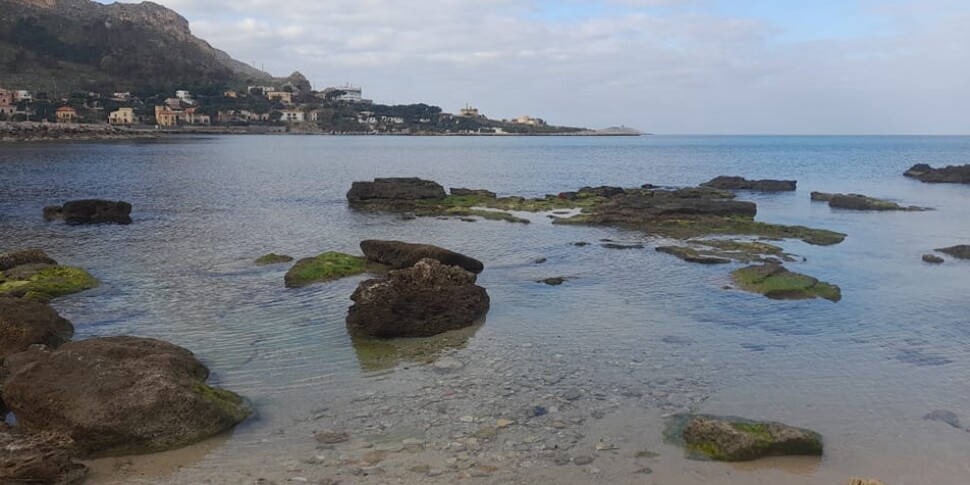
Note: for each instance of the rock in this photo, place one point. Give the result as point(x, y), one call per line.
point(95, 211)
point(42, 280)
point(822, 196)
point(942, 416)
point(581, 244)
point(602, 191)
point(932, 258)
point(583, 460)
point(776, 282)
point(41, 458)
point(556, 281)
point(395, 190)
point(24, 323)
point(426, 299)
point(621, 246)
point(692, 255)
point(372, 458)
point(861, 202)
point(960, 252)
point(473, 193)
point(741, 183)
point(273, 258)
point(324, 267)
point(54, 213)
point(504, 423)
point(399, 255)
point(865, 481)
point(735, 440)
point(330, 437)
point(118, 395)
point(539, 260)
point(954, 174)
point(12, 259)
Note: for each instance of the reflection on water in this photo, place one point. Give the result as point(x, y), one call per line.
point(381, 354)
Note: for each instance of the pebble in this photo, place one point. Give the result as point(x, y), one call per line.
point(582, 460)
point(330, 436)
point(645, 471)
point(467, 419)
point(374, 457)
point(413, 442)
point(503, 423)
point(434, 473)
point(603, 446)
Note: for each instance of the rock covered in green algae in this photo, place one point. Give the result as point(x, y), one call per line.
point(732, 439)
point(692, 255)
point(775, 281)
point(327, 266)
point(960, 252)
point(741, 183)
point(40, 279)
point(273, 258)
point(861, 202)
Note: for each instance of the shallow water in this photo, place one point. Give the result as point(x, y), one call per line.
point(863, 371)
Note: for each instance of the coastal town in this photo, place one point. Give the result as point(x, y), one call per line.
point(289, 108)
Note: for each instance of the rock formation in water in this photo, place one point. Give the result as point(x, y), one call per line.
point(399, 255)
point(739, 440)
point(33, 275)
point(740, 183)
point(90, 211)
point(952, 174)
point(327, 266)
point(961, 251)
point(861, 202)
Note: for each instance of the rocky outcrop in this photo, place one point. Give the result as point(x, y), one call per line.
point(739, 440)
point(692, 255)
point(398, 255)
point(961, 251)
point(24, 323)
point(459, 192)
point(425, 299)
point(636, 208)
point(394, 190)
point(273, 258)
point(327, 266)
point(741, 183)
point(12, 259)
point(861, 202)
point(42, 458)
point(118, 395)
point(90, 211)
point(953, 174)
point(932, 259)
point(775, 281)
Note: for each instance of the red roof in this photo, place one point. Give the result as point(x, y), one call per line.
point(65, 108)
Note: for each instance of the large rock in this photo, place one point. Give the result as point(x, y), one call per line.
point(12, 259)
point(24, 323)
point(953, 174)
point(861, 202)
point(741, 183)
point(118, 395)
point(961, 251)
point(90, 211)
point(737, 440)
point(326, 266)
point(423, 300)
point(44, 281)
point(398, 255)
point(395, 189)
point(42, 458)
point(775, 281)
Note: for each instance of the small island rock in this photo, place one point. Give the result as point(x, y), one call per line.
point(932, 259)
point(12, 259)
point(273, 258)
point(395, 189)
point(327, 266)
point(90, 211)
point(741, 183)
point(953, 174)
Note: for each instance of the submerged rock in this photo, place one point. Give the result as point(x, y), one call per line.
point(399, 255)
point(118, 396)
point(90, 211)
point(960, 252)
point(40, 458)
point(327, 266)
point(943, 416)
point(740, 440)
point(861, 202)
point(273, 258)
point(776, 282)
point(12, 259)
point(692, 255)
point(459, 192)
point(741, 183)
point(43, 281)
point(932, 259)
point(954, 174)
point(423, 300)
point(555, 281)
point(392, 190)
point(24, 323)
point(613, 245)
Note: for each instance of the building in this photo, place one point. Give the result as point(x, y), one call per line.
point(124, 116)
point(22, 95)
point(293, 116)
point(66, 114)
point(184, 96)
point(7, 110)
point(528, 120)
point(165, 116)
point(230, 94)
point(192, 116)
point(281, 96)
point(121, 96)
point(6, 97)
point(469, 112)
point(173, 103)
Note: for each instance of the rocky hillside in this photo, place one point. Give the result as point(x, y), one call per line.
point(63, 45)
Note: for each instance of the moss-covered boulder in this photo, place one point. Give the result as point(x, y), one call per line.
point(118, 396)
point(44, 280)
point(861, 202)
point(735, 439)
point(24, 323)
point(327, 266)
point(775, 281)
point(273, 258)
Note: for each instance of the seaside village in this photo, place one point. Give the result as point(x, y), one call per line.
point(341, 109)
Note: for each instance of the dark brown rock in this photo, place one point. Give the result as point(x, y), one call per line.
point(54, 213)
point(42, 458)
point(961, 251)
point(24, 323)
point(737, 440)
point(822, 196)
point(953, 174)
point(473, 192)
point(932, 259)
point(118, 395)
point(395, 190)
point(12, 259)
point(741, 183)
point(399, 255)
point(423, 300)
point(96, 211)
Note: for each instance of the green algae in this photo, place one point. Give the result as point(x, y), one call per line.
point(231, 404)
point(763, 441)
point(776, 282)
point(53, 281)
point(273, 258)
point(324, 267)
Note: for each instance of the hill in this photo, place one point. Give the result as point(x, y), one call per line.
point(67, 45)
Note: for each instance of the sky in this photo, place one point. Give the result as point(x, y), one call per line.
point(662, 66)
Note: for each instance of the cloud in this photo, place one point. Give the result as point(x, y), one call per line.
point(672, 66)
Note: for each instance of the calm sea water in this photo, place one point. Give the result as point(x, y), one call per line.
point(863, 371)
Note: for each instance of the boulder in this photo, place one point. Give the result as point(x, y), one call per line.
point(398, 255)
point(864, 203)
point(324, 267)
point(953, 174)
point(54, 213)
point(961, 251)
point(12, 259)
point(473, 193)
point(95, 211)
point(425, 299)
point(118, 396)
point(739, 440)
point(775, 281)
point(43, 281)
point(932, 259)
point(41, 458)
point(24, 323)
point(741, 183)
point(395, 189)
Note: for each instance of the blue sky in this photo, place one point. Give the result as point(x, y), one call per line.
point(665, 66)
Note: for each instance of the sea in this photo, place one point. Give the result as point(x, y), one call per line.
point(863, 372)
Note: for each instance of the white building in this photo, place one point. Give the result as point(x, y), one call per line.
point(293, 116)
